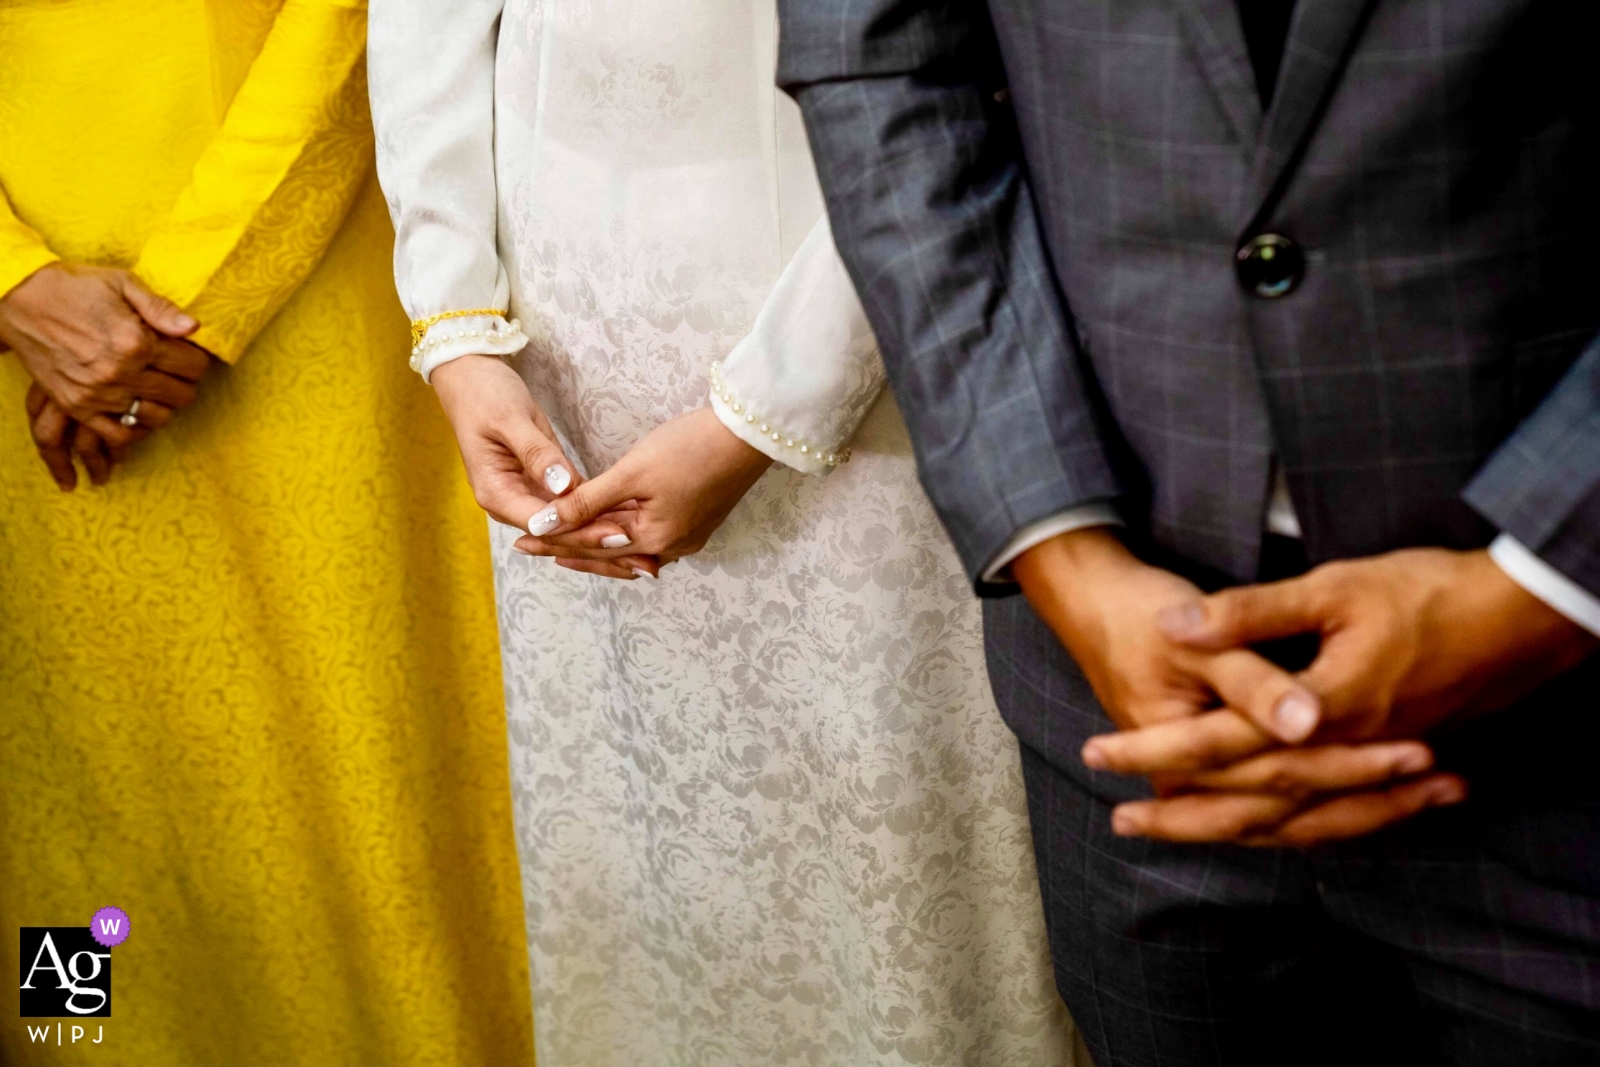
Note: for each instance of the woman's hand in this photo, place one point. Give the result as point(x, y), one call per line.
point(514, 464)
point(668, 495)
point(95, 339)
point(58, 437)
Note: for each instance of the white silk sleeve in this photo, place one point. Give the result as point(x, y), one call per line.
point(798, 386)
point(431, 70)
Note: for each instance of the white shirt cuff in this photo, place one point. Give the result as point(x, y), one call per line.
point(1558, 591)
point(1037, 533)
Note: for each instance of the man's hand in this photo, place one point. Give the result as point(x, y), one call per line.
point(513, 460)
point(1104, 605)
point(1410, 640)
point(668, 495)
point(1107, 608)
point(94, 339)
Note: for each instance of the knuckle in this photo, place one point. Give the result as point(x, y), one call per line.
point(1197, 749)
point(537, 456)
point(104, 373)
point(1334, 576)
point(578, 505)
point(1281, 780)
point(126, 342)
point(1224, 608)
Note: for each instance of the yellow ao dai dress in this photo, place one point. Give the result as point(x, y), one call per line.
point(249, 692)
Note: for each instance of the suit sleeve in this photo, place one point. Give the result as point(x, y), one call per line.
point(1542, 487)
point(274, 186)
point(933, 215)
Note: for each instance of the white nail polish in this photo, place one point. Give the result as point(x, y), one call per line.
point(521, 550)
point(544, 522)
point(616, 541)
point(557, 478)
point(640, 572)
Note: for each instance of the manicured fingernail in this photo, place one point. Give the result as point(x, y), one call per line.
point(1450, 791)
point(1125, 824)
point(1094, 757)
point(1295, 717)
point(557, 478)
point(1182, 620)
point(1414, 761)
point(523, 551)
point(640, 572)
point(616, 541)
point(544, 522)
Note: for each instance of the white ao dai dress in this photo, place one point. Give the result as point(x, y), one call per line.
point(767, 812)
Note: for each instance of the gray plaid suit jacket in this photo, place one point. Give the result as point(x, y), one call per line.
point(1050, 272)
point(1052, 279)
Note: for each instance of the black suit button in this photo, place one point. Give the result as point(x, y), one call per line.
point(1270, 265)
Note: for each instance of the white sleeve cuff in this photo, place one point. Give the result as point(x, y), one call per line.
point(798, 386)
point(775, 441)
point(480, 335)
point(1558, 591)
point(1037, 533)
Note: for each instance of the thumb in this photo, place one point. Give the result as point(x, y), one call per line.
point(584, 504)
point(1247, 615)
point(159, 313)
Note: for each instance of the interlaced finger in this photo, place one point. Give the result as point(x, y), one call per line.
point(1358, 814)
point(51, 429)
point(1199, 743)
point(610, 533)
point(92, 451)
point(154, 386)
point(116, 435)
point(1263, 692)
point(607, 569)
point(1301, 772)
point(179, 359)
point(623, 557)
point(1198, 817)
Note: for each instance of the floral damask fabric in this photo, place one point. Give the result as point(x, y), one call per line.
point(767, 811)
point(249, 690)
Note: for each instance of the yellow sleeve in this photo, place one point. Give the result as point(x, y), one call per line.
point(273, 187)
point(22, 251)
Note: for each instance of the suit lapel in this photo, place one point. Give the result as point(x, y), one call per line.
point(1321, 38)
point(1215, 32)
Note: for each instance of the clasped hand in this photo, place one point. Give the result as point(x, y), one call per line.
point(660, 502)
point(93, 340)
point(1239, 749)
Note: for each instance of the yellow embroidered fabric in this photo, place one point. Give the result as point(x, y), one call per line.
point(249, 692)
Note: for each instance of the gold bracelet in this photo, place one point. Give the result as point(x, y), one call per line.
point(420, 327)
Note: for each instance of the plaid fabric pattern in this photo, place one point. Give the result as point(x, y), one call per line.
point(1469, 937)
point(1050, 271)
point(1435, 158)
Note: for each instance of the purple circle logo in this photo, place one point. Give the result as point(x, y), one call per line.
point(109, 927)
